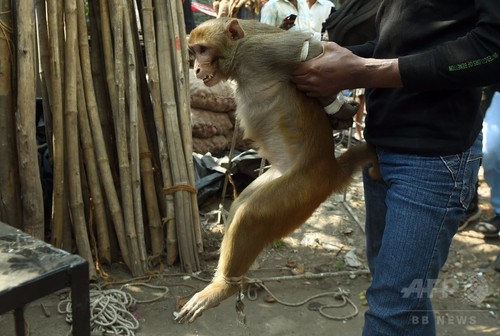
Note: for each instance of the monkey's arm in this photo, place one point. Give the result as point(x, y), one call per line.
point(299, 47)
point(302, 48)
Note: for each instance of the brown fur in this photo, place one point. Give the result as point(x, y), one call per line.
point(292, 132)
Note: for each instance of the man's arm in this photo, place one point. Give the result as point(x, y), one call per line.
point(470, 61)
point(342, 69)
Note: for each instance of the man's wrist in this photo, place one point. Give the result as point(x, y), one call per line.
point(381, 73)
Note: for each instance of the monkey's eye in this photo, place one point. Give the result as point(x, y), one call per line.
point(202, 49)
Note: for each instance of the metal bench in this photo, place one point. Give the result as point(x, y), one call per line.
point(31, 269)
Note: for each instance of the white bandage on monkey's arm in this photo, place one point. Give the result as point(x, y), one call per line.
point(335, 105)
point(331, 104)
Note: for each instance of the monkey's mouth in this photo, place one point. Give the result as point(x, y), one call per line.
point(208, 78)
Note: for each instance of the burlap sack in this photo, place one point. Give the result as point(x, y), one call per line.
point(206, 124)
point(215, 144)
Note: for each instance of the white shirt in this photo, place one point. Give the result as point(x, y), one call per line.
point(319, 12)
point(274, 11)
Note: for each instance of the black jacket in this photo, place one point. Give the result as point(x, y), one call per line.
point(447, 50)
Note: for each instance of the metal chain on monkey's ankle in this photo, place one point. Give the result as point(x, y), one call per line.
point(240, 306)
point(339, 294)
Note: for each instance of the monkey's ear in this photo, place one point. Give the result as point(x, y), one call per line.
point(234, 31)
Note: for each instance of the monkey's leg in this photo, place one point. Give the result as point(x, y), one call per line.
point(260, 217)
point(220, 290)
point(356, 157)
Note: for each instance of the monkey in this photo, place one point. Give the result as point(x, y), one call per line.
point(290, 130)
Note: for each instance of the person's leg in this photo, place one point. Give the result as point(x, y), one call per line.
point(491, 164)
point(375, 209)
point(411, 219)
point(473, 213)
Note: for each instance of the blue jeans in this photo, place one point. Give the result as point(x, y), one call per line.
point(491, 151)
point(412, 214)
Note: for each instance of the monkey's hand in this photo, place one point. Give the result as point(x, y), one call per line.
point(210, 297)
point(343, 118)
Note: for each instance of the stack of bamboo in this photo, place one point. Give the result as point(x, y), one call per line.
point(114, 80)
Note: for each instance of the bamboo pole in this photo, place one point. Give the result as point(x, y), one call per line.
point(154, 87)
point(71, 136)
point(29, 176)
point(153, 211)
point(90, 162)
point(133, 101)
point(87, 143)
point(181, 188)
point(98, 76)
point(83, 157)
point(184, 107)
point(120, 226)
point(56, 100)
point(44, 68)
point(148, 147)
point(94, 151)
point(119, 118)
point(99, 109)
point(10, 207)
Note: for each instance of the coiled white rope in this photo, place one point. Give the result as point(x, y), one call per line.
point(110, 309)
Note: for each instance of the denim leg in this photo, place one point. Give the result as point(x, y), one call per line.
point(491, 151)
point(375, 211)
point(411, 217)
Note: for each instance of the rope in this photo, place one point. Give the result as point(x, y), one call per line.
point(253, 285)
point(340, 294)
point(110, 310)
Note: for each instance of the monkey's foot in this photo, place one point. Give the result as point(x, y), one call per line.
point(210, 297)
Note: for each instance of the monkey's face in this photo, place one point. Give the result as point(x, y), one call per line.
point(213, 44)
point(206, 64)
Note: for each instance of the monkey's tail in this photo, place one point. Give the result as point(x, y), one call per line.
point(354, 159)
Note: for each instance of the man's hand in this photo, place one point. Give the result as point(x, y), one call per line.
point(288, 22)
point(338, 69)
point(331, 72)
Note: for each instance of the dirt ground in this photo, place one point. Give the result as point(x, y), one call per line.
point(324, 256)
